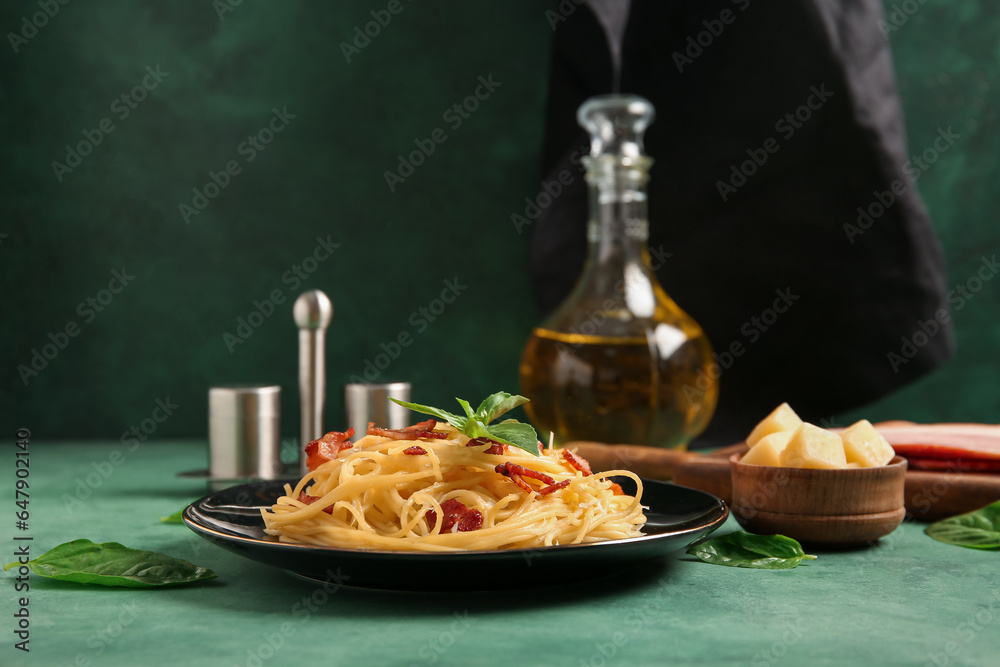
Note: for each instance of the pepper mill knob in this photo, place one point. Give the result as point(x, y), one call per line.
point(313, 310)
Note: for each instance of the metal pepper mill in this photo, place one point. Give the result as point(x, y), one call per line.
point(313, 312)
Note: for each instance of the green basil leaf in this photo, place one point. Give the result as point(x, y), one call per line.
point(176, 517)
point(468, 408)
point(111, 564)
point(497, 404)
point(454, 420)
point(769, 545)
point(475, 425)
point(741, 549)
point(477, 429)
point(515, 433)
point(974, 530)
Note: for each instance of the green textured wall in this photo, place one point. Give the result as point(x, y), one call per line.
point(323, 177)
point(947, 59)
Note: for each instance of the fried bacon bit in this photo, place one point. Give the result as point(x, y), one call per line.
point(577, 461)
point(415, 432)
point(416, 450)
point(456, 513)
point(326, 448)
point(494, 448)
point(309, 500)
point(554, 487)
point(617, 489)
point(517, 474)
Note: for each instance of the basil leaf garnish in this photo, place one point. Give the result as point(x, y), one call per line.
point(741, 549)
point(468, 408)
point(497, 404)
point(974, 530)
point(176, 517)
point(111, 564)
point(515, 433)
point(476, 424)
point(454, 420)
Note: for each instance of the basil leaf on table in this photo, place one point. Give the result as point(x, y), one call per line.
point(476, 423)
point(974, 530)
point(741, 549)
point(176, 517)
point(111, 564)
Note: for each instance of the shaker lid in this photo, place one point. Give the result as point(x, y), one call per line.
point(245, 402)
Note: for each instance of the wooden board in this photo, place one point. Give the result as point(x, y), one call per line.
point(929, 495)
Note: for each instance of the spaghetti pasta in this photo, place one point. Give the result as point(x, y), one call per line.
point(443, 492)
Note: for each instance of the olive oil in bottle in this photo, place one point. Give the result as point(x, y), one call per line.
point(619, 361)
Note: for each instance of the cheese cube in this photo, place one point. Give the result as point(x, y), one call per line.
point(782, 418)
point(768, 450)
point(813, 447)
point(866, 446)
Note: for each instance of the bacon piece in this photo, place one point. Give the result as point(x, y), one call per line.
point(415, 432)
point(554, 487)
point(416, 450)
point(517, 479)
point(494, 448)
point(577, 461)
point(309, 500)
point(327, 448)
point(524, 472)
point(456, 513)
point(617, 489)
point(517, 474)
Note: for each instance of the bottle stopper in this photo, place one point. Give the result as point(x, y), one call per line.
point(313, 312)
point(616, 124)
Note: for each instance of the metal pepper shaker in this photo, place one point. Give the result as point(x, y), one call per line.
point(313, 312)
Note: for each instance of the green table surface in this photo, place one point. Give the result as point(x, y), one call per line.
point(908, 601)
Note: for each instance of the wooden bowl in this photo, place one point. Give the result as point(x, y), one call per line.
point(840, 508)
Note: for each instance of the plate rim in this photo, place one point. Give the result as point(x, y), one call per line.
point(711, 520)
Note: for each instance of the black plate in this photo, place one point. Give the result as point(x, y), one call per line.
point(677, 516)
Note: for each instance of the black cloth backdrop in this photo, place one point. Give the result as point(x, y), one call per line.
point(856, 295)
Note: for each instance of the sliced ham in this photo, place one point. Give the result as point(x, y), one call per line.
point(947, 442)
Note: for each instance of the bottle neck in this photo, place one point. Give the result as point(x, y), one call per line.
point(617, 227)
point(618, 232)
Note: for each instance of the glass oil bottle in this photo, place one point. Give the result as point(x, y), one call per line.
point(618, 361)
